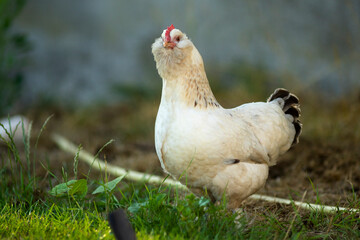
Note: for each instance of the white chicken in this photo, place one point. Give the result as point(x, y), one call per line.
point(224, 152)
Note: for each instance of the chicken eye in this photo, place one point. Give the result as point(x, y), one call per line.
point(177, 38)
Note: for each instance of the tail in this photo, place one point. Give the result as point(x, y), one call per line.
point(290, 106)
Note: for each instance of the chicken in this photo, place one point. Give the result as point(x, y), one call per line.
point(213, 150)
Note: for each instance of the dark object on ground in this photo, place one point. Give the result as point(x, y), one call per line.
point(121, 226)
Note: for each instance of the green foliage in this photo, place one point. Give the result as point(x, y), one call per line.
point(70, 211)
point(16, 174)
point(108, 187)
point(71, 188)
point(12, 47)
point(162, 213)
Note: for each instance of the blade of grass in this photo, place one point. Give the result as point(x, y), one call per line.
point(295, 214)
point(26, 140)
point(37, 141)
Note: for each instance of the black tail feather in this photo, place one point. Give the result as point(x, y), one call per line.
point(279, 93)
point(298, 127)
point(293, 111)
point(291, 107)
point(292, 100)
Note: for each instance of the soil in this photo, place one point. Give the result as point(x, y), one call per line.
point(328, 170)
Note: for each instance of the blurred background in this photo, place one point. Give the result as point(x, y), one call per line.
point(85, 52)
point(89, 64)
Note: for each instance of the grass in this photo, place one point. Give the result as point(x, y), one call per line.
point(74, 205)
point(41, 221)
point(157, 215)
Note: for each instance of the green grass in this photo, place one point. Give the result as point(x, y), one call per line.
point(51, 222)
point(76, 207)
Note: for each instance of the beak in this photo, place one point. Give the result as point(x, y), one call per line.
point(169, 45)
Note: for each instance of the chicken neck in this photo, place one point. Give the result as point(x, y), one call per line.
point(190, 88)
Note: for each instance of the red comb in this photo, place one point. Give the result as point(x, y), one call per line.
point(167, 33)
